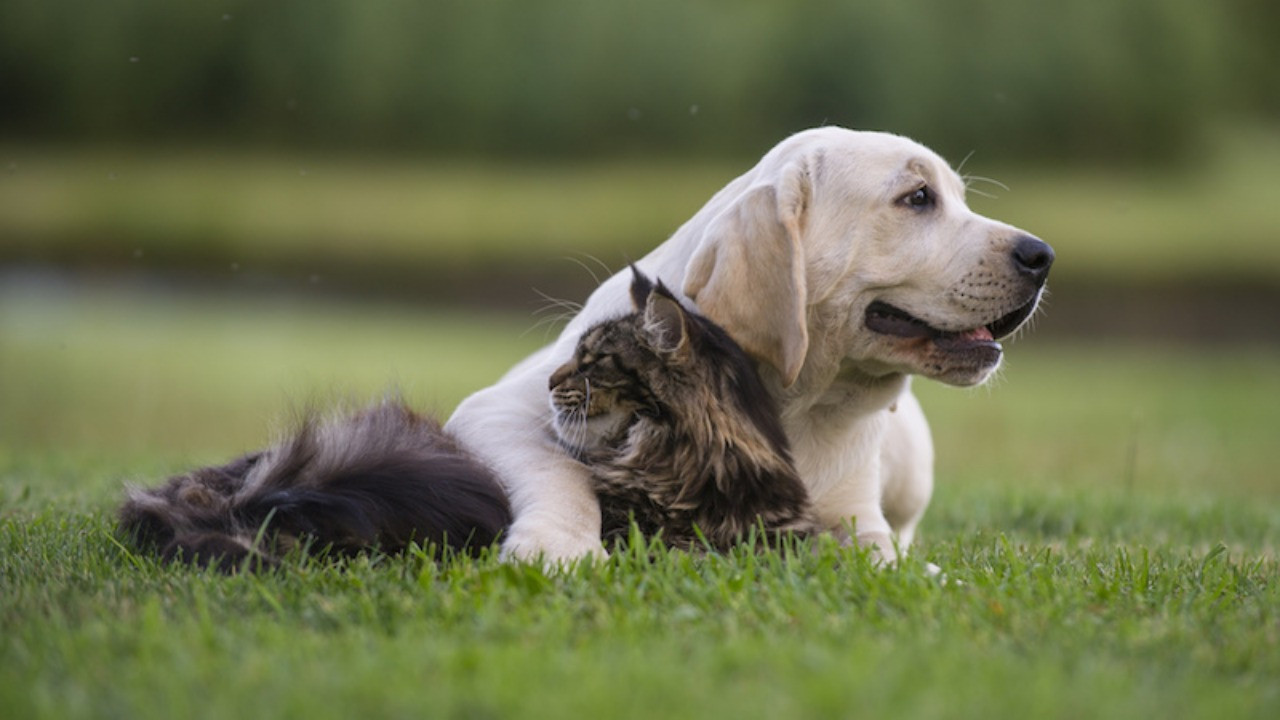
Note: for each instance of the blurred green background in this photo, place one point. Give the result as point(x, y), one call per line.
point(579, 78)
point(213, 211)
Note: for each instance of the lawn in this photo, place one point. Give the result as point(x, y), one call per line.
point(1106, 516)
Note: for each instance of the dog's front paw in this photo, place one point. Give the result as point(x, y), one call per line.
point(550, 545)
point(883, 550)
point(881, 545)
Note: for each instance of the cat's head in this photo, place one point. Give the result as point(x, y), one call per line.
point(660, 364)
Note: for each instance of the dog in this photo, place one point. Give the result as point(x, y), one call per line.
point(845, 263)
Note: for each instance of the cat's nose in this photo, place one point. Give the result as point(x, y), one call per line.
point(559, 376)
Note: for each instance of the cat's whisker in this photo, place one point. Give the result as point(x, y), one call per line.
point(549, 323)
point(608, 272)
point(552, 303)
point(585, 409)
point(582, 428)
point(567, 308)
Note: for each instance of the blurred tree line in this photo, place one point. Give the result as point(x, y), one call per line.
point(1042, 79)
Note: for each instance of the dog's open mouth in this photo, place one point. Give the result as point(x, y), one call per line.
point(886, 319)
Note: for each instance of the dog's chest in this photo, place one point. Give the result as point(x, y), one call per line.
point(837, 442)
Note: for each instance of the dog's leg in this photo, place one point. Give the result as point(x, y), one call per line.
point(880, 484)
point(556, 514)
point(856, 501)
point(907, 461)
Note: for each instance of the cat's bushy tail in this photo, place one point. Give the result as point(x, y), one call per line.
point(379, 478)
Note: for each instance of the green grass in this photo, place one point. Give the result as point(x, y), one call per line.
point(211, 211)
point(1032, 631)
point(1106, 517)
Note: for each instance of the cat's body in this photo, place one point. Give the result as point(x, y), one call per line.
point(663, 407)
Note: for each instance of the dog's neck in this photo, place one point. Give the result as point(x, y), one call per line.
point(854, 394)
point(851, 412)
point(844, 394)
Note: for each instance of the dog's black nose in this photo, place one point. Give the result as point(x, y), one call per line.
point(1032, 257)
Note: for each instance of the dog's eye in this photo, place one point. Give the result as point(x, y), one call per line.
point(922, 198)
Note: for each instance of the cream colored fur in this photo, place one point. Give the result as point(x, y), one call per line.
point(787, 258)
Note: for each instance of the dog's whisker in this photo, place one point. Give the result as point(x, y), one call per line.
point(970, 180)
point(1033, 321)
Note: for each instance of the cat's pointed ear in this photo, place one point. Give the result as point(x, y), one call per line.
point(641, 287)
point(665, 322)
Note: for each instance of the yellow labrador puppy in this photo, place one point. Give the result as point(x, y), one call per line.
point(846, 262)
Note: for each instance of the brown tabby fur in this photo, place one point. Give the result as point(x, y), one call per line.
point(678, 431)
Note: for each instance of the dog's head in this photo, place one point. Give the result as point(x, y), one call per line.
point(856, 249)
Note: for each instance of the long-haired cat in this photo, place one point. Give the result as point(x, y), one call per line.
point(680, 434)
point(664, 408)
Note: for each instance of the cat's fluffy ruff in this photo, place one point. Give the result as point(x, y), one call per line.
point(382, 477)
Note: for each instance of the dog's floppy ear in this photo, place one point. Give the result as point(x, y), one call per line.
point(748, 271)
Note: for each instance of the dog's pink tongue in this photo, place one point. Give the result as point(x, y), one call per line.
point(965, 339)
